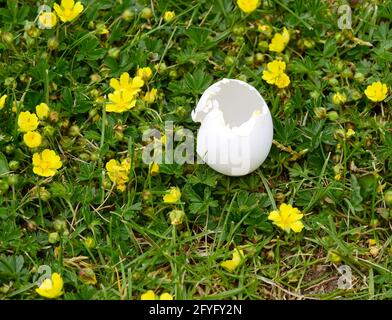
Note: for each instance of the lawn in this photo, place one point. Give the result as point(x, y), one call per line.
point(84, 216)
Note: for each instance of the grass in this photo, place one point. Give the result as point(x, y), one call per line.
point(77, 220)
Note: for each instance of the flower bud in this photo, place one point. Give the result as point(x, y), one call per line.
point(14, 165)
point(74, 130)
point(176, 217)
point(332, 115)
point(128, 15)
point(146, 13)
point(53, 43)
point(320, 112)
point(53, 237)
point(89, 243)
point(88, 276)
point(263, 46)
point(114, 52)
point(60, 225)
point(388, 198)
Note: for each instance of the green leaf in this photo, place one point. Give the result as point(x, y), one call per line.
point(356, 198)
point(329, 48)
point(3, 164)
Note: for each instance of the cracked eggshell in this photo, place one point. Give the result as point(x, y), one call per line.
point(235, 135)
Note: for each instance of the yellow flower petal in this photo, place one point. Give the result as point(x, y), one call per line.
point(149, 295)
point(173, 195)
point(51, 288)
point(287, 218)
point(248, 6)
point(166, 296)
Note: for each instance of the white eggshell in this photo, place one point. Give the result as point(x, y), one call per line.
point(235, 135)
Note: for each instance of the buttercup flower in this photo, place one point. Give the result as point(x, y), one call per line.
point(120, 101)
point(46, 163)
point(27, 121)
point(144, 73)
point(68, 10)
point(377, 91)
point(150, 96)
point(287, 218)
point(150, 295)
point(275, 74)
point(126, 83)
point(42, 111)
point(232, 264)
point(51, 288)
point(282, 81)
point(47, 20)
point(166, 296)
point(169, 16)
point(248, 6)
point(173, 195)
point(32, 139)
point(279, 41)
point(119, 172)
point(2, 101)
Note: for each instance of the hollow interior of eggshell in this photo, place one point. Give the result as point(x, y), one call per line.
point(237, 102)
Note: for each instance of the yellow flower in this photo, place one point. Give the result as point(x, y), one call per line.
point(126, 83)
point(144, 73)
point(232, 264)
point(68, 10)
point(46, 163)
point(287, 218)
point(51, 288)
point(169, 16)
point(154, 168)
point(2, 101)
point(120, 101)
point(32, 139)
point(150, 96)
point(339, 98)
point(149, 295)
point(377, 91)
point(42, 111)
point(274, 69)
point(282, 81)
point(47, 20)
point(275, 74)
point(279, 41)
point(173, 195)
point(119, 172)
point(166, 296)
point(27, 121)
point(248, 6)
point(350, 132)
